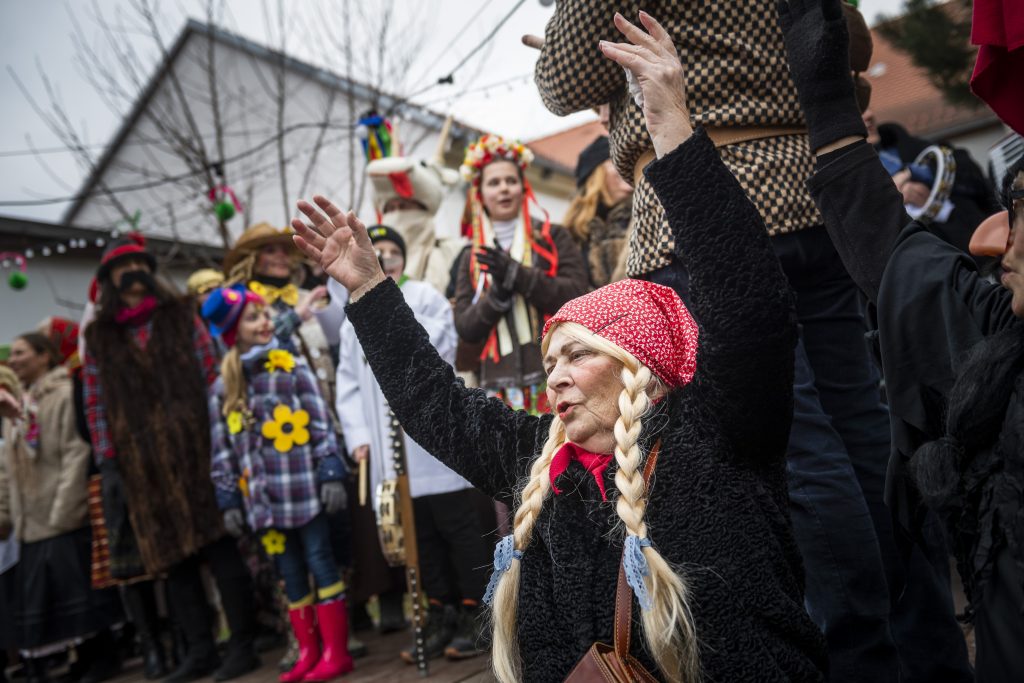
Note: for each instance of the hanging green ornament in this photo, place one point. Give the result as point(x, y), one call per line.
point(224, 210)
point(225, 203)
point(17, 280)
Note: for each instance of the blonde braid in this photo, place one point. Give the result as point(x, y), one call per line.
point(668, 626)
point(505, 649)
point(234, 383)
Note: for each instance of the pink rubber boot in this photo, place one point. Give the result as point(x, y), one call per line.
point(304, 626)
point(332, 618)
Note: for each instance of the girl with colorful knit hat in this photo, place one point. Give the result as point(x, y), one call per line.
point(276, 468)
point(665, 456)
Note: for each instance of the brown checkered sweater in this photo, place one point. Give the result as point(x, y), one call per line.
point(736, 74)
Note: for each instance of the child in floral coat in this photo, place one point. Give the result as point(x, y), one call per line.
point(276, 456)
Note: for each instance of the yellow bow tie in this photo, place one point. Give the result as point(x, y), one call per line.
point(289, 294)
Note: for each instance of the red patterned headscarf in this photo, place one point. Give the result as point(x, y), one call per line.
point(648, 320)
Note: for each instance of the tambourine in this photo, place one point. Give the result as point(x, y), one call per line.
point(945, 175)
point(389, 523)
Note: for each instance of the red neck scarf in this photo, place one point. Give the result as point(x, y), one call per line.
point(136, 315)
point(594, 463)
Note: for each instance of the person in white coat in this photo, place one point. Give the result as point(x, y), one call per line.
point(452, 549)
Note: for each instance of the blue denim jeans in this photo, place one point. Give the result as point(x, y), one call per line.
point(307, 550)
point(868, 584)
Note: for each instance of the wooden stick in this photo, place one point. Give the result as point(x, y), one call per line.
point(536, 42)
point(362, 482)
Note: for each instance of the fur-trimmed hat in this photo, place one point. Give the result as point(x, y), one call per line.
point(129, 244)
point(648, 320)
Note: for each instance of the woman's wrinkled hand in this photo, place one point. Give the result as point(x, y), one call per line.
point(339, 243)
point(652, 60)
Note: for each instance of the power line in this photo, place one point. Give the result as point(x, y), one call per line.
point(482, 88)
point(452, 44)
point(177, 178)
point(450, 77)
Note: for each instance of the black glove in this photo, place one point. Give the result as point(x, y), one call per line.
point(502, 269)
point(818, 50)
point(234, 522)
point(115, 506)
point(333, 496)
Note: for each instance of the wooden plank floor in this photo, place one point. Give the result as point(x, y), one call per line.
point(382, 664)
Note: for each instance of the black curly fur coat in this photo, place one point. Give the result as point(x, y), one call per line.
point(718, 504)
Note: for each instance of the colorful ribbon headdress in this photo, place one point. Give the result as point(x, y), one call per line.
point(377, 136)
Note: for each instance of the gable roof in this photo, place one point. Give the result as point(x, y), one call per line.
point(425, 117)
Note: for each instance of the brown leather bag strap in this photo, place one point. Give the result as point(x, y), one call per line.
point(623, 593)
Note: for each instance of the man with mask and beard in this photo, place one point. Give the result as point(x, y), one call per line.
point(148, 363)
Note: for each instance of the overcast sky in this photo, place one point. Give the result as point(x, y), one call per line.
point(38, 33)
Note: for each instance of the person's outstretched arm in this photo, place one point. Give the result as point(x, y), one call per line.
point(482, 439)
point(862, 208)
point(741, 298)
point(569, 74)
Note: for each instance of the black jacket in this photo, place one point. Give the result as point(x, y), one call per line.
point(931, 305)
point(718, 506)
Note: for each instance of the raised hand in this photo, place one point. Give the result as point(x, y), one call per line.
point(652, 59)
point(818, 52)
point(339, 243)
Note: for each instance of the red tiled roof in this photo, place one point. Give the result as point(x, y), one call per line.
point(564, 147)
point(902, 93)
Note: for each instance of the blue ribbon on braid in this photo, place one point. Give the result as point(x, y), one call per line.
point(635, 565)
point(504, 553)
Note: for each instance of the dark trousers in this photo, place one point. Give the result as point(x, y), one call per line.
point(307, 550)
point(188, 599)
point(999, 622)
point(454, 555)
point(844, 528)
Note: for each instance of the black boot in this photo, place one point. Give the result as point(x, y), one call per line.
point(358, 618)
point(140, 604)
point(188, 602)
point(392, 612)
point(438, 632)
point(236, 597)
point(98, 658)
point(468, 640)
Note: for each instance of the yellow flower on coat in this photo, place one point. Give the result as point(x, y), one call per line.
point(235, 422)
point(287, 429)
point(273, 542)
point(279, 359)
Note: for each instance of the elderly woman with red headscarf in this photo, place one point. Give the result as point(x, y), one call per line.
point(661, 474)
point(517, 274)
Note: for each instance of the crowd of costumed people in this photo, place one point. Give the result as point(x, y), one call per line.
point(646, 441)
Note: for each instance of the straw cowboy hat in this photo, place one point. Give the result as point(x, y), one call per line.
point(255, 238)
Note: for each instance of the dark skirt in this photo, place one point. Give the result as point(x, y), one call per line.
point(7, 593)
point(53, 597)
